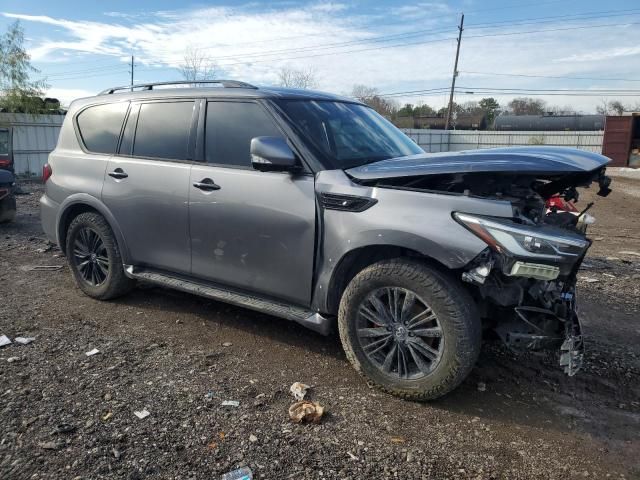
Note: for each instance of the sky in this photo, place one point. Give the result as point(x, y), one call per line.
point(575, 53)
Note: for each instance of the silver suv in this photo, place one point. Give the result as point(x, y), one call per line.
point(316, 209)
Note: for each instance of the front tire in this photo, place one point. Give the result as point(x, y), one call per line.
point(94, 258)
point(409, 328)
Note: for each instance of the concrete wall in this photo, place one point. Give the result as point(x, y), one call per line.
point(456, 140)
point(34, 137)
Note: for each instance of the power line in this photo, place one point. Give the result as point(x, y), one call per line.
point(553, 18)
point(551, 76)
point(554, 30)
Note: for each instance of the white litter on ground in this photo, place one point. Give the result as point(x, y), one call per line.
point(4, 340)
point(231, 403)
point(142, 414)
point(24, 340)
point(91, 353)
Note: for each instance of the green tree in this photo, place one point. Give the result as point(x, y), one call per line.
point(18, 93)
point(491, 106)
point(406, 111)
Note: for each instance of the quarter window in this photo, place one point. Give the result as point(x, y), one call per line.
point(100, 126)
point(163, 130)
point(229, 129)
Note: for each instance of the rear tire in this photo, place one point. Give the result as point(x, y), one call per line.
point(94, 258)
point(425, 335)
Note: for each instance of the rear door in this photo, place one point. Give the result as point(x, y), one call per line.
point(251, 230)
point(146, 186)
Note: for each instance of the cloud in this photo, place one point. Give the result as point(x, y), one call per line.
point(422, 10)
point(67, 95)
point(602, 54)
point(253, 43)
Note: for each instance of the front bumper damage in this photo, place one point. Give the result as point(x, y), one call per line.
point(539, 329)
point(528, 313)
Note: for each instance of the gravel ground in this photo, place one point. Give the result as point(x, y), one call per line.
point(65, 415)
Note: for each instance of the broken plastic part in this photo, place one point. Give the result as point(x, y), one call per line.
point(534, 270)
point(306, 411)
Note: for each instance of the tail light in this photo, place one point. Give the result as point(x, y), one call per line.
point(46, 172)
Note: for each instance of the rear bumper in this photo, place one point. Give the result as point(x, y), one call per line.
point(48, 215)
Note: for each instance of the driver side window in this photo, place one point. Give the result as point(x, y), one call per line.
point(230, 126)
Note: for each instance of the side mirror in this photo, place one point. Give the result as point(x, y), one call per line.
point(273, 154)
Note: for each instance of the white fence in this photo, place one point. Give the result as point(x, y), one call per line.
point(34, 137)
point(456, 140)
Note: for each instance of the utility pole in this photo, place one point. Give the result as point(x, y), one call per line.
point(131, 72)
point(455, 74)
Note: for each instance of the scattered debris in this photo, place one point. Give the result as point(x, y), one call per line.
point(482, 387)
point(91, 353)
point(53, 445)
point(227, 344)
point(46, 268)
point(299, 390)
point(208, 396)
point(398, 440)
point(352, 456)
point(4, 340)
point(629, 252)
point(590, 279)
point(13, 359)
point(107, 416)
point(142, 414)
point(43, 249)
point(243, 473)
point(65, 428)
point(306, 411)
point(116, 453)
point(230, 403)
point(253, 438)
point(24, 340)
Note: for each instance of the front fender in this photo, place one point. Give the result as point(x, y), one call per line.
point(84, 199)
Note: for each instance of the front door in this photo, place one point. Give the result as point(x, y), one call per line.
point(250, 230)
point(146, 186)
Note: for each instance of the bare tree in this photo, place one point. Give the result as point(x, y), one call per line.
point(197, 66)
point(371, 96)
point(292, 78)
point(527, 106)
point(614, 107)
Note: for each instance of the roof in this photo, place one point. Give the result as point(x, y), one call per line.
point(214, 92)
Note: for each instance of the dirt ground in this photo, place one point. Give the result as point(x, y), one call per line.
point(65, 415)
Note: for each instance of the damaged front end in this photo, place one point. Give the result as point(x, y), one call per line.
point(524, 281)
point(526, 277)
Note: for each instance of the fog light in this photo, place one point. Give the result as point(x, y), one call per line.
point(534, 270)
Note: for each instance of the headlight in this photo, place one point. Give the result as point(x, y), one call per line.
point(518, 240)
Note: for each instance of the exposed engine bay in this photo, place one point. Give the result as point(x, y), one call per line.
point(524, 282)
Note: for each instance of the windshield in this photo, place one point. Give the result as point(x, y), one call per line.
point(347, 134)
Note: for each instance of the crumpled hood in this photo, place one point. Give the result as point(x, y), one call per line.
point(547, 161)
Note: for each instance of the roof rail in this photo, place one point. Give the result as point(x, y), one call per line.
point(149, 86)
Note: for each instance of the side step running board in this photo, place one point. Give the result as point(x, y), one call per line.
point(307, 318)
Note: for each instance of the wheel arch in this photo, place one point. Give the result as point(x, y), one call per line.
point(82, 203)
point(357, 259)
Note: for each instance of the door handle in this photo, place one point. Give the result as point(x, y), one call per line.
point(207, 185)
point(118, 173)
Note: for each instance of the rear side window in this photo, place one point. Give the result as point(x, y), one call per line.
point(163, 130)
point(229, 129)
point(100, 126)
